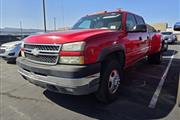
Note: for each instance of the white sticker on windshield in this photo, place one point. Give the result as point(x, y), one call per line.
point(114, 16)
point(113, 27)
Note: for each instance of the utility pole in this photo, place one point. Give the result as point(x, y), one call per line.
point(54, 23)
point(62, 9)
point(20, 25)
point(1, 29)
point(44, 14)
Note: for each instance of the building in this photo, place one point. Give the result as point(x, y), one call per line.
point(160, 26)
point(164, 27)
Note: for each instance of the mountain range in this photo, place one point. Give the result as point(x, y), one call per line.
point(9, 30)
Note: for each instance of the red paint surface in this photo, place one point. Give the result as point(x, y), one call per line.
point(97, 39)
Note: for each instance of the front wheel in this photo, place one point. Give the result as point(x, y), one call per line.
point(111, 77)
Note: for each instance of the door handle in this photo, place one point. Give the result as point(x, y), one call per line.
point(140, 38)
point(148, 37)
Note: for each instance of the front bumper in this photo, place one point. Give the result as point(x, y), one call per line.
point(170, 40)
point(67, 79)
point(10, 54)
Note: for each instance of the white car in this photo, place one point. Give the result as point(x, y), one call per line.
point(10, 51)
point(168, 37)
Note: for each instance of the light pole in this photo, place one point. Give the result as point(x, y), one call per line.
point(1, 30)
point(62, 9)
point(20, 25)
point(54, 23)
point(44, 14)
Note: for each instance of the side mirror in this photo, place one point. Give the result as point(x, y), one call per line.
point(177, 28)
point(139, 28)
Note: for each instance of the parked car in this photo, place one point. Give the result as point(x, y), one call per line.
point(177, 26)
point(10, 51)
point(91, 57)
point(164, 46)
point(169, 37)
point(177, 30)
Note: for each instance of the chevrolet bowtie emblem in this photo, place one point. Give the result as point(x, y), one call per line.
point(35, 52)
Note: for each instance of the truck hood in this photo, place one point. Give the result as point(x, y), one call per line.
point(64, 37)
point(11, 43)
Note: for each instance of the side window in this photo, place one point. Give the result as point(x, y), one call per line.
point(140, 20)
point(130, 22)
point(85, 24)
point(151, 29)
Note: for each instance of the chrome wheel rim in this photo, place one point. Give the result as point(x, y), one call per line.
point(114, 81)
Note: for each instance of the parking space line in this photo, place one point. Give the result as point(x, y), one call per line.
point(154, 99)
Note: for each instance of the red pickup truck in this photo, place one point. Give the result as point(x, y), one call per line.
point(91, 57)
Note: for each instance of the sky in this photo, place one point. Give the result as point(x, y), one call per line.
point(67, 12)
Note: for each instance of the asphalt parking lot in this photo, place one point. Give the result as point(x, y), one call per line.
point(21, 100)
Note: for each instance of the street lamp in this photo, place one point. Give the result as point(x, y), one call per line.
point(54, 23)
point(20, 25)
point(44, 14)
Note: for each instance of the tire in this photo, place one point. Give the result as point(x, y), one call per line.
point(12, 61)
point(110, 69)
point(164, 47)
point(155, 58)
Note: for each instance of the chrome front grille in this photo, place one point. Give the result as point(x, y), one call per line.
point(42, 47)
point(2, 51)
point(42, 58)
point(42, 53)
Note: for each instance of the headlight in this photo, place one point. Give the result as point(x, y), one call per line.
point(76, 46)
point(174, 36)
point(22, 44)
point(71, 60)
point(8, 48)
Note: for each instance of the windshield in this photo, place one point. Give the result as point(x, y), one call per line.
point(166, 33)
point(111, 21)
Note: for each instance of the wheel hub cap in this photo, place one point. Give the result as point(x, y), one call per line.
point(114, 81)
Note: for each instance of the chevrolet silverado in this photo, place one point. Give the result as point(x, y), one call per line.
point(91, 57)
